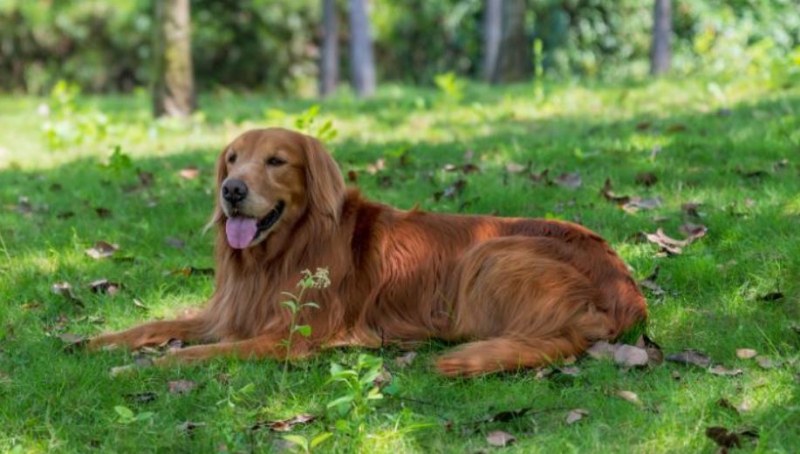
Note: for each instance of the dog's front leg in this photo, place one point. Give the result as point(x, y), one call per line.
point(265, 346)
point(153, 333)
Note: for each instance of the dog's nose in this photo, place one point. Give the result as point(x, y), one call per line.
point(234, 191)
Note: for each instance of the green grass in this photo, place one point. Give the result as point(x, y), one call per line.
point(52, 400)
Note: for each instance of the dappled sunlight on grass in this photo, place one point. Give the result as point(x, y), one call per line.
point(731, 149)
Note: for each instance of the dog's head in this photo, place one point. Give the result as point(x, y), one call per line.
point(268, 180)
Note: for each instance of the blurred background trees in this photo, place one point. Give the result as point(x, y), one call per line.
point(276, 46)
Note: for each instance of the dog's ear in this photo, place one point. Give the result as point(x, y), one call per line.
point(324, 181)
point(222, 173)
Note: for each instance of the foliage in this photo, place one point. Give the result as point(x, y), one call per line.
point(354, 403)
point(67, 121)
point(271, 45)
point(295, 305)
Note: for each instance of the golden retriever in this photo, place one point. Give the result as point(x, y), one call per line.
point(518, 292)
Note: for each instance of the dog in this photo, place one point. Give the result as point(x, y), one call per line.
point(515, 292)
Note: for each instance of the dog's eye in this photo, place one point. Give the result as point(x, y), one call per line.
point(275, 161)
point(231, 158)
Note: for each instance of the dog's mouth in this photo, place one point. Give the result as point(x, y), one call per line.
point(242, 230)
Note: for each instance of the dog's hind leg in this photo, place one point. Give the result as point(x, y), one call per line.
point(521, 306)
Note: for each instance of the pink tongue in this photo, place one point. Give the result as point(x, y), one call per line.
point(240, 231)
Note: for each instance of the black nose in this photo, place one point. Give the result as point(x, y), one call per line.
point(234, 191)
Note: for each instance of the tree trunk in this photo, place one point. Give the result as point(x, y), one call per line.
point(660, 53)
point(507, 49)
point(361, 59)
point(173, 90)
point(329, 56)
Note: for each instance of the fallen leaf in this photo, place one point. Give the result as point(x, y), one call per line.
point(104, 286)
point(671, 245)
point(174, 242)
point(139, 363)
point(101, 250)
point(188, 427)
point(654, 353)
point(693, 231)
point(631, 356)
point(352, 176)
point(643, 125)
point(405, 360)
point(569, 180)
point(285, 425)
point(609, 195)
point(455, 189)
point(602, 350)
point(570, 371)
point(72, 342)
point(513, 167)
point(181, 386)
point(189, 172)
point(576, 415)
point(500, 439)
point(146, 179)
point(384, 378)
point(65, 289)
point(636, 203)
point(24, 205)
point(630, 396)
point(138, 303)
point(724, 371)
point(693, 357)
point(766, 362)
point(385, 181)
point(746, 353)
point(376, 167)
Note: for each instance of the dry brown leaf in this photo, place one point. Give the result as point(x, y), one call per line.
point(286, 425)
point(609, 195)
point(766, 362)
point(101, 250)
point(746, 353)
point(602, 350)
point(576, 415)
point(631, 356)
point(724, 371)
point(569, 180)
point(181, 386)
point(646, 179)
point(500, 439)
point(513, 167)
point(189, 172)
point(630, 396)
point(105, 287)
point(693, 357)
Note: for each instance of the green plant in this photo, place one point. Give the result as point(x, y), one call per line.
point(360, 390)
point(295, 304)
point(304, 443)
point(68, 123)
point(126, 416)
point(451, 86)
point(307, 122)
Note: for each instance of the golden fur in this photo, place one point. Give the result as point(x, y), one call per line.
point(518, 292)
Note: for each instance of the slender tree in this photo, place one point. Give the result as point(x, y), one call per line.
point(660, 52)
point(173, 91)
point(507, 48)
point(361, 59)
point(329, 56)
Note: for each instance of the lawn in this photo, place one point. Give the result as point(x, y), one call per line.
point(692, 152)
